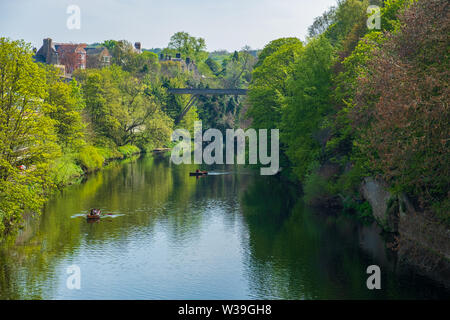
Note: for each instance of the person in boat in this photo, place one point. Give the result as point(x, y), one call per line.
point(95, 212)
point(197, 171)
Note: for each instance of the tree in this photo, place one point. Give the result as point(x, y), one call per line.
point(194, 48)
point(402, 108)
point(148, 63)
point(268, 88)
point(110, 44)
point(26, 134)
point(121, 106)
point(213, 65)
point(124, 55)
point(348, 14)
point(238, 72)
point(273, 46)
point(308, 105)
point(66, 103)
point(321, 24)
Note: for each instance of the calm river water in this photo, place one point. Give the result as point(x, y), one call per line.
point(230, 235)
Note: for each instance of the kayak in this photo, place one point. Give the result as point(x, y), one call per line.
point(196, 174)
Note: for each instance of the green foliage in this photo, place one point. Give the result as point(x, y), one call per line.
point(363, 102)
point(321, 23)
point(213, 65)
point(121, 106)
point(359, 209)
point(348, 14)
point(189, 46)
point(390, 12)
point(109, 152)
point(27, 134)
point(237, 70)
point(90, 158)
point(308, 104)
point(316, 189)
point(66, 104)
point(110, 44)
point(273, 46)
point(400, 107)
point(269, 85)
point(128, 150)
point(65, 169)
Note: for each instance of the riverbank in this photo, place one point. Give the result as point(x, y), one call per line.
point(67, 169)
point(64, 171)
point(418, 238)
point(422, 240)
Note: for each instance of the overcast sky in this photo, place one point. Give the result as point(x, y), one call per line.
point(225, 24)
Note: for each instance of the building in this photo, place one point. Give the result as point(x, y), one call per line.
point(186, 65)
point(97, 57)
point(47, 53)
point(72, 56)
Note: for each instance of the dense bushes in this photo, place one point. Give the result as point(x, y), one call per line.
point(402, 112)
point(28, 142)
point(128, 150)
point(90, 159)
point(65, 169)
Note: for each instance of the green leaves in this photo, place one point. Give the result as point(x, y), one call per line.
point(194, 48)
point(121, 106)
point(308, 105)
point(27, 135)
point(269, 85)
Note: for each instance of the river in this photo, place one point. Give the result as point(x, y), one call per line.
point(165, 235)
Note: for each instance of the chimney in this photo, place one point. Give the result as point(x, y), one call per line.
point(137, 45)
point(47, 43)
point(161, 56)
point(178, 55)
point(48, 50)
point(188, 60)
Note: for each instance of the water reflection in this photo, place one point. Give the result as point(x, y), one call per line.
point(231, 235)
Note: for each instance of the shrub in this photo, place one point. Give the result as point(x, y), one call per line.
point(316, 189)
point(402, 107)
point(90, 159)
point(108, 152)
point(128, 150)
point(65, 169)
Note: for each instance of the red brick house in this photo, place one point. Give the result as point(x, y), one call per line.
point(72, 56)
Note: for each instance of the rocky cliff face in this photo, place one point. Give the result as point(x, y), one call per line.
point(423, 241)
point(377, 194)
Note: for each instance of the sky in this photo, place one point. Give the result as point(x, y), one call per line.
point(224, 24)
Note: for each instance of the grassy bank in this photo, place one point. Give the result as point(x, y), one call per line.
point(71, 166)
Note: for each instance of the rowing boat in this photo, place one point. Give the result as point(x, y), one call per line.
point(196, 174)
